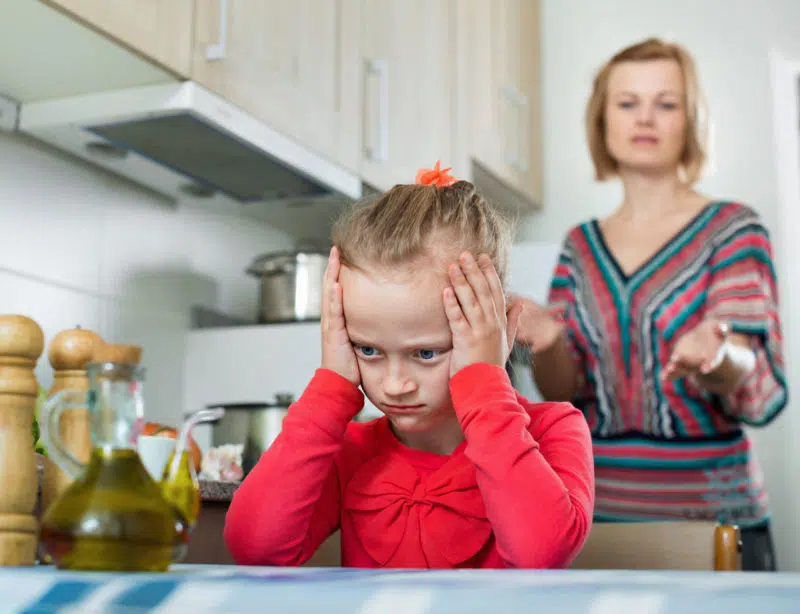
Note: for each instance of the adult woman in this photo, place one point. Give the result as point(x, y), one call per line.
point(663, 325)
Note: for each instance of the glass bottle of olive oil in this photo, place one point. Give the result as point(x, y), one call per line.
point(113, 517)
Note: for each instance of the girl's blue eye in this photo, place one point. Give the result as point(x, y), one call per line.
point(367, 351)
point(428, 354)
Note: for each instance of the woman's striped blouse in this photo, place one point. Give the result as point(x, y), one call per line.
point(670, 449)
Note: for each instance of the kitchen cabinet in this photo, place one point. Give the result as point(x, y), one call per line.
point(294, 65)
point(158, 30)
point(378, 87)
point(409, 87)
point(498, 91)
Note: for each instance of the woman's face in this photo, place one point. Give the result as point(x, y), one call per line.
point(646, 116)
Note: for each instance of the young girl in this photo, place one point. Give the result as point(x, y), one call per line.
point(461, 471)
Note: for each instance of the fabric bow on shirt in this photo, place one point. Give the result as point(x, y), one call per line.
point(397, 514)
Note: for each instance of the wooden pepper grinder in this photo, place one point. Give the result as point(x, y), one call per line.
point(21, 345)
point(69, 353)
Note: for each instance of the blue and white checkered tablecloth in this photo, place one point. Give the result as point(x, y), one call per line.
point(204, 589)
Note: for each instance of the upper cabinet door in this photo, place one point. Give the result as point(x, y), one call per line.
point(499, 83)
point(293, 64)
point(527, 162)
point(409, 87)
point(159, 30)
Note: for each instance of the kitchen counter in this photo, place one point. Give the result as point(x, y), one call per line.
point(200, 589)
point(207, 546)
point(217, 491)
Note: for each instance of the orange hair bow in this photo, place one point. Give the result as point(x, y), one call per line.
point(436, 176)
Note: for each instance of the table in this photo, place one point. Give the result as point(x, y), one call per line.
point(200, 589)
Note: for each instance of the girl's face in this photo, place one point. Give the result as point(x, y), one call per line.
point(646, 115)
point(403, 344)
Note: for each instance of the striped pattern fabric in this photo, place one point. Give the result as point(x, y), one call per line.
point(196, 589)
point(667, 450)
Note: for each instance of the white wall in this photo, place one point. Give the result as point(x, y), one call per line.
point(731, 41)
point(81, 247)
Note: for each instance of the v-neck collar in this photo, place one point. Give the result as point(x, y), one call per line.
point(627, 277)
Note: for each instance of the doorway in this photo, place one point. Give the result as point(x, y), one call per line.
point(785, 496)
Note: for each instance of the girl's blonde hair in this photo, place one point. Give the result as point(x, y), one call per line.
point(423, 224)
point(693, 157)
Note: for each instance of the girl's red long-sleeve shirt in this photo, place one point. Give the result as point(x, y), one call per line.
point(518, 492)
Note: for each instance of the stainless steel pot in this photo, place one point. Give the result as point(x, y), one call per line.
point(291, 285)
point(256, 425)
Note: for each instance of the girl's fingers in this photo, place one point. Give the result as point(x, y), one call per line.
point(493, 281)
point(470, 307)
point(512, 323)
point(336, 319)
point(330, 277)
point(455, 316)
point(480, 287)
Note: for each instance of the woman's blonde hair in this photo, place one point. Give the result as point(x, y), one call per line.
point(693, 157)
point(422, 225)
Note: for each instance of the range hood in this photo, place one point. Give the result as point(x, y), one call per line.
point(187, 143)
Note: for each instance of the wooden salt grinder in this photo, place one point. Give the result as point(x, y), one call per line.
point(69, 353)
point(21, 345)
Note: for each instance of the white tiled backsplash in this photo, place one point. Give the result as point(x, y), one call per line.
point(80, 247)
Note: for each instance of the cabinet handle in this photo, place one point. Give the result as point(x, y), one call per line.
point(380, 69)
point(217, 50)
point(511, 153)
point(517, 157)
point(523, 134)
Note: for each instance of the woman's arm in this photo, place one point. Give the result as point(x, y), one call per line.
point(742, 296)
point(743, 293)
point(544, 335)
point(552, 334)
point(554, 369)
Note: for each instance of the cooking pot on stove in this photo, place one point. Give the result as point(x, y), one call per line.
point(291, 284)
point(256, 425)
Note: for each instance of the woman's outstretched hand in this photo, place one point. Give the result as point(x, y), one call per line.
point(698, 352)
point(539, 327)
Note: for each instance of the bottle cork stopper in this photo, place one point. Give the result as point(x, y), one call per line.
point(21, 337)
point(71, 350)
point(111, 352)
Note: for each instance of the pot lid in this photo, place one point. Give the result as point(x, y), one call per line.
point(282, 399)
point(274, 263)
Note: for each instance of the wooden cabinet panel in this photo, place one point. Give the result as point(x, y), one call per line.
point(158, 30)
point(499, 83)
point(409, 88)
point(295, 65)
